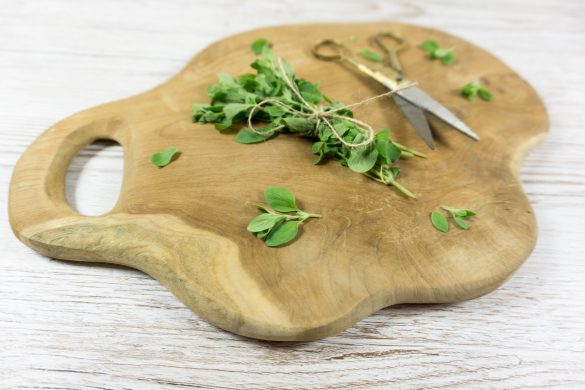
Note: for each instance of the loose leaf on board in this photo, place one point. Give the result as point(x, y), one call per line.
point(371, 55)
point(264, 222)
point(429, 46)
point(258, 45)
point(283, 233)
point(164, 158)
point(459, 216)
point(435, 52)
point(280, 199)
point(439, 221)
point(460, 222)
point(485, 94)
point(280, 224)
point(473, 89)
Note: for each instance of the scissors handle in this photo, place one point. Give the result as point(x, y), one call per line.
point(332, 50)
point(398, 44)
point(329, 50)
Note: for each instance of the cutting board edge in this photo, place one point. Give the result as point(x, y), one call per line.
point(515, 162)
point(61, 240)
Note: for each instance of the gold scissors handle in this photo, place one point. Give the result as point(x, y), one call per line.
point(329, 50)
point(398, 43)
point(332, 50)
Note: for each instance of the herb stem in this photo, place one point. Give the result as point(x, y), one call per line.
point(391, 182)
point(402, 189)
point(300, 216)
point(367, 174)
point(409, 150)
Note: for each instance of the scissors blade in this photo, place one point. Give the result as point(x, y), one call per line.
point(416, 117)
point(416, 96)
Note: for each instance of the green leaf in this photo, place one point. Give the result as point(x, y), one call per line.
point(395, 172)
point(449, 58)
point(383, 135)
point(283, 234)
point(264, 221)
point(263, 233)
point(259, 44)
point(439, 221)
point(363, 158)
point(393, 153)
point(274, 111)
point(326, 151)
point(319, 159)
point(386, 148)
point(310, 91)
point(246, 136)
point(164, 158)
point(485, 94)
point(459, 212)
point(224, 124)
point(267, 53)
point(299, 125)
point(288, 69)
point(371, 55)
point(325, 133)
point(460, 222)
point(226, 79)
point(439, 53)
point(317, 146)
point(280, 199)
point(470, 91)
point(429, 46)
point(469, 88)
point(262, 208)
point(206, 115)
point(235, 111)
point(459, 215)
point(329, 148)
point(354, 38)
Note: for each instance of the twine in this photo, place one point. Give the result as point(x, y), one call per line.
point(319, 113)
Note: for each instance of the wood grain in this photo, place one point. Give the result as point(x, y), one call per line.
point(75, 327)
point(185, 224)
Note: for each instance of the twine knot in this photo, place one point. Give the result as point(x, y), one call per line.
point(319, 111)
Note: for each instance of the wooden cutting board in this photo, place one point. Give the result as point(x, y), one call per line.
point(185, 224)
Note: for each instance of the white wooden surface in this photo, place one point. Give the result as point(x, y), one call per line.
point(71, 326)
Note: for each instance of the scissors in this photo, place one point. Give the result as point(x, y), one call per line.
point(412, 100)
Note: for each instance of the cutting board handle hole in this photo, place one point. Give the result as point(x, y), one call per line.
point(94, 178)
